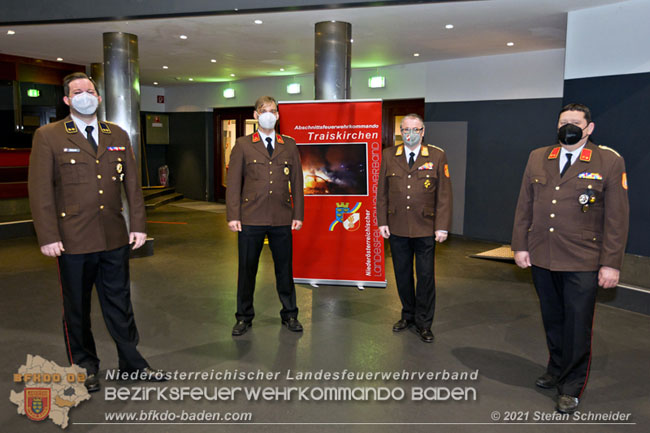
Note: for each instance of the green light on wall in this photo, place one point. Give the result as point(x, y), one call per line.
point(33, 93)
point(377, 82)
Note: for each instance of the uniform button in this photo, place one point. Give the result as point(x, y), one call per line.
point(427, 175)
point(408, 197)
point(99, 176)
point(552, 215)
point(408, 186)
point(97, 161)
point(255, 160)
point(557, 188)
point(72, 161)
point(409, 176)
point(119, 159)
point(594, 239)
point(270, 162)
point(270, 192)
point(536, 180)
point(114, 178)
point(271, 181)
point(101, 207)
point(408, 207)
point(270, 172)
point(63, 215)
point(588, 186)
point(101, 191)
point(551, 230)
point(554, 201)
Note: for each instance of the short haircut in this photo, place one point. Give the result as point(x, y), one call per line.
point(412, 116)
point(577, 107)
point(76, 76)
point(263, 100)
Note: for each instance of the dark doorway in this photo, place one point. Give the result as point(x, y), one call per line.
point(392, 112)
point(229, 124)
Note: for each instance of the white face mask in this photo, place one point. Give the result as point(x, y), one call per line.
point(266, 120)
point(85, 103)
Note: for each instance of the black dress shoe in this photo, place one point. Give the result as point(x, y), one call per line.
point(546, 381)
point(401, 325)
point(92, 383)
point(292, 324)
point(567, 403)
point(241, 327)
point(425, 335)
point(153, 375)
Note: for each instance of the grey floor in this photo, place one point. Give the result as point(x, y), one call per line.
point(487, 319)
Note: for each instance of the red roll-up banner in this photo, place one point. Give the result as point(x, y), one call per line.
point(340, 150)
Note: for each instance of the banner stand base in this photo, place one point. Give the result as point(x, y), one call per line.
point(314, 282)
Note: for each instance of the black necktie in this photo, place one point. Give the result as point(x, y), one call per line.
point(269, 147)
point(567, 164)
point(411, 159)
point(90, 138)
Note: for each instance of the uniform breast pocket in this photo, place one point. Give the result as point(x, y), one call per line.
point(255, 169)
point(73, 170)
point(537, 182)
point(589, 192)
point(589, 184)
point(394, 181)
point(284, 167)
point(427, 180)
point(117, 162)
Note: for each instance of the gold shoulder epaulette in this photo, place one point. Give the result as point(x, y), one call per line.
point(610, 149)
point(439, 148)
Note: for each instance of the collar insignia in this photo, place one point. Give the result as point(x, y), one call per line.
point(279, 139)
point(424, 151)
point(104, 128)
point(256, 137)
point(585, 155)
point(554, 153)
point(70, 127)
point(400, 150)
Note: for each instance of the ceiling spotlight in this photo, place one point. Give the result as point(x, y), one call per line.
point(258, 21)
point(449, 26)
point(416, 54)
point(155, 83)
point(232, 75)
point(183, 36)
point(11, 32)
point(281, 69)
point(213, 60)
point(351, 41)
point(59, 59)
point(510, 44)
point(191, 79)
point(165, 67)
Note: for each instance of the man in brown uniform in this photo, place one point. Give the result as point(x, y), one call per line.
point(571, 226)
point(265, 198)
point(77, 169)
point(414, 206)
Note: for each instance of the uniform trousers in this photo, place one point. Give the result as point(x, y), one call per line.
point(251, 242)
point(418, 301)
point(567, 301)
point(109, 272)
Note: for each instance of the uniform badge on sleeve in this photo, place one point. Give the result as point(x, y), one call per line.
point(447, 170)
point(624, 181)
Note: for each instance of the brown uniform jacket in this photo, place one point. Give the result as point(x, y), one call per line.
point(550, 223)
point(75, 194)
point(263, 190)
point(414, 202)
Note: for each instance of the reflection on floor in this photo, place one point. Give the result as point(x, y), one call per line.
point(487, 319)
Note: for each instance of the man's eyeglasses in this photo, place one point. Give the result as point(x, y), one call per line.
point(411, 130)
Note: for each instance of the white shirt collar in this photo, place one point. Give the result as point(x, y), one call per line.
point(264, 136)
point(407, 152)
point(81, 126)
point(574, 158)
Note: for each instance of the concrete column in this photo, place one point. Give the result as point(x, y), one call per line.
point(122, 86)
point(97, 74)
point(333, 52)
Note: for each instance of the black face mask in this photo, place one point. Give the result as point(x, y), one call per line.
point(569, 134)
